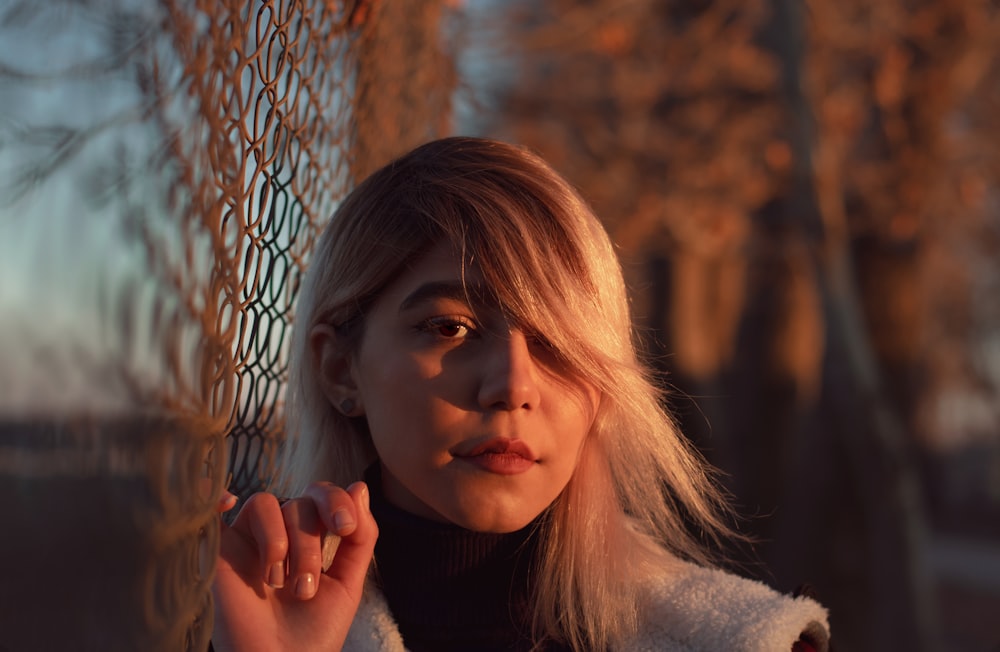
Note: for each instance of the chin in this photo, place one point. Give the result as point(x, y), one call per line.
point(495, 506)
point(496, 528)
point(494, 523)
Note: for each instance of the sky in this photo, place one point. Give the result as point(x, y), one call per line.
point(79, 167)
point(75, 178)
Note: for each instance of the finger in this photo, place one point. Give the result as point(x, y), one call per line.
point(305, 530)
point(335, 507)
point(338, 512)
point(350, 565)
point(262, 522)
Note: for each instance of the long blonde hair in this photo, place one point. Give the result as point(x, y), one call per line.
point(639, 490)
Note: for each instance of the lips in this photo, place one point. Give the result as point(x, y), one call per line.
point(500, 456)
point(500, 446)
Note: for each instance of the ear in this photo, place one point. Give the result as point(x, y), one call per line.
point(335, 368)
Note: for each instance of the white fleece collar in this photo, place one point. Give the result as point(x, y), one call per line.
point(696, 609)
point(690, 609)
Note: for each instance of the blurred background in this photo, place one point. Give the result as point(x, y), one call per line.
point(804, 194)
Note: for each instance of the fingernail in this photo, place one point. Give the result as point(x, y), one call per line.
point(342, 520)
point(330, 544)
point(227, 501)
point(365, 497)
point(364, 494)
point(276, 575)
point(305, 586)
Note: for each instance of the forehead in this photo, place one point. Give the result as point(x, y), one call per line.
point(441, 272)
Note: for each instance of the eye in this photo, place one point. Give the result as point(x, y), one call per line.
point(540, 344)
point(544, 350)
point(449, 328)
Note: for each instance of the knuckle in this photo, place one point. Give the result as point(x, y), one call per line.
point(260, 500)
point(290, 504)
point(275, 549)
point(325, 496)
point(323, 491)
point(311, 558)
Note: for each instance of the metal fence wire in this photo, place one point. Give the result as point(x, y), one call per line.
point(167, 166)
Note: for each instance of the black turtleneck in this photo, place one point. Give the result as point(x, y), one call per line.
point(449, 588)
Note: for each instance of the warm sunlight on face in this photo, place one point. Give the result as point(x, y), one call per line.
point(469, 414)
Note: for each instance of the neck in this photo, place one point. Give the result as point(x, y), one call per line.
point(452, 588)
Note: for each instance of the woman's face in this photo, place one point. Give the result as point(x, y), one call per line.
point(471, 418)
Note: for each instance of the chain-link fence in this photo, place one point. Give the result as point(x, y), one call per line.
point(165, 168)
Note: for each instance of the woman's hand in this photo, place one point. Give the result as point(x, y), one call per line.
point(271, 592)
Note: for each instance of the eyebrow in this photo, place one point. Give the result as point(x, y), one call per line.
point(455, 290)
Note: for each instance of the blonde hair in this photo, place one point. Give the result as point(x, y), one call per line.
point(640, 490)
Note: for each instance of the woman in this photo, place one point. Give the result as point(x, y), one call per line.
point(463, 362)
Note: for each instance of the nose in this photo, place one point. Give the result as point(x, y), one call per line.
point(510, 375)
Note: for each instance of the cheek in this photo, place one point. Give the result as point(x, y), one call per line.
point(588, 402)
point(579, 407)
point(404, 405)
point(383, 392)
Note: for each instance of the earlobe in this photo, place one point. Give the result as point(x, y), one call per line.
point(334, 366)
